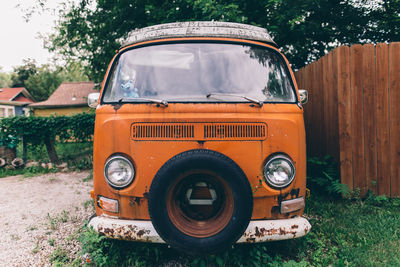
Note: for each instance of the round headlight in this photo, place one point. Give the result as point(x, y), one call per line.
point(119, 171)
point(279, 171)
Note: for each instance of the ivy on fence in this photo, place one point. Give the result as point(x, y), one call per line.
point(45, 130)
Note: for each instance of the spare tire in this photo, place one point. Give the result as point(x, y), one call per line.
point(200, 201)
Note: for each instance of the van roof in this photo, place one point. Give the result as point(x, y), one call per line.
point(199, 29)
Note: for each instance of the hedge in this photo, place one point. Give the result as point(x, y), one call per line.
point(45, 130)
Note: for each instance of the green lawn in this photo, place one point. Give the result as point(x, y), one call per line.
point(344, 233)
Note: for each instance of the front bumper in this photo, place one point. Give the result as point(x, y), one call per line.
point(257, 231)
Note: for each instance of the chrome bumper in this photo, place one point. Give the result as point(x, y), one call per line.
point(257, 231)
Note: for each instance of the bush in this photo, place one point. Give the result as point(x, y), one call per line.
point(323, 177)
point(36, 131)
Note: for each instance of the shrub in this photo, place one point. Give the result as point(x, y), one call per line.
point(323, 177)
point(37, 131)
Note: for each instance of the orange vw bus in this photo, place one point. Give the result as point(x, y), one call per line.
point(199, 139)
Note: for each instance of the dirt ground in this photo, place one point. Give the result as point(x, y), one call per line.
point(40, 216)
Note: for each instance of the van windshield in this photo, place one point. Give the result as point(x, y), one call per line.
point(189, 72)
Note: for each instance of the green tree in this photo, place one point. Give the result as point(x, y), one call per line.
point(387, 17)
point(23, 72)
point(308, 29)
point(43, 83)
point(5, 79)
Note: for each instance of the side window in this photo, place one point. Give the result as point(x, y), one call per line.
point(10, 112)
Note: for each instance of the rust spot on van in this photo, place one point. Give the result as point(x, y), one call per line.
point(140, 233)
point(128, 232)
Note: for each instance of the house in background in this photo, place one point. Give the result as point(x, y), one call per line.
point(68, 99)
point(13, 101)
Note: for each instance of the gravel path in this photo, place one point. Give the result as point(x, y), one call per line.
point(40, 216)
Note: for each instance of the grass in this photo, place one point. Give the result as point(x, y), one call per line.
point(345, 233)
point(66, 151)
point(355, 233)
point(51, 241)
point(59, 257)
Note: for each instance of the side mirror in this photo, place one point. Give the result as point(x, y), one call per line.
point(93, 100)
point(303, 96)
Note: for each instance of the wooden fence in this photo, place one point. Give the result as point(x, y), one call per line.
point(353, 114)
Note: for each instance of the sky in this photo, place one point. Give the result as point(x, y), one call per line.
point(19, 39)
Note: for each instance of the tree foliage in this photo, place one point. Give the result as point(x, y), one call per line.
point(41, 84)
point(91, 29)
point(23, 72)
point(5, 80)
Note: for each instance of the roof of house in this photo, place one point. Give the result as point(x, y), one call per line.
point(199, 29)
point(68, 94)
point(17, 96)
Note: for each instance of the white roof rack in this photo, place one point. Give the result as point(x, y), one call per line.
point(199, 29)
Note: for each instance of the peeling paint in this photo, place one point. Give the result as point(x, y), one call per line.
point(269, 230)
point(125, 232)
point(129, 230)
point(257, 231)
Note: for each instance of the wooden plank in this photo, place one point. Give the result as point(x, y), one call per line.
point(300, 78)
point(335, 113)
point(303, 84)
point(357, 116)
point(310, 110)
point(382, 109)
point(370, 117)
point(330, 103)
point(324, 95)
point(334, 107)
point(326, 101)
point(341, 59)
point(394, 91)
point(319, 111)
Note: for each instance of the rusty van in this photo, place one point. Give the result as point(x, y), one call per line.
point(199, 139)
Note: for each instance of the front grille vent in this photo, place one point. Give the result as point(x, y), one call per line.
point(162, 131)
point(199, 131)
point(235, 131)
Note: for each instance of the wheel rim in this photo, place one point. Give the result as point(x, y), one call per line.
point(200, 203)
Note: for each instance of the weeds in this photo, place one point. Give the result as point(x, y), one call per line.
point(51, 241)
point(27, 172)
point(108, 252)
point(323, 177)
point(89, 177)
point(32, 228)
point(64, 216)
point(36, 249)
point(15, 237)
point(59, 257)
point(54, 221)
point(88, 203)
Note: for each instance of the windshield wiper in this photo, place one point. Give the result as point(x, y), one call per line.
point(157, 101)
point(258, 102)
